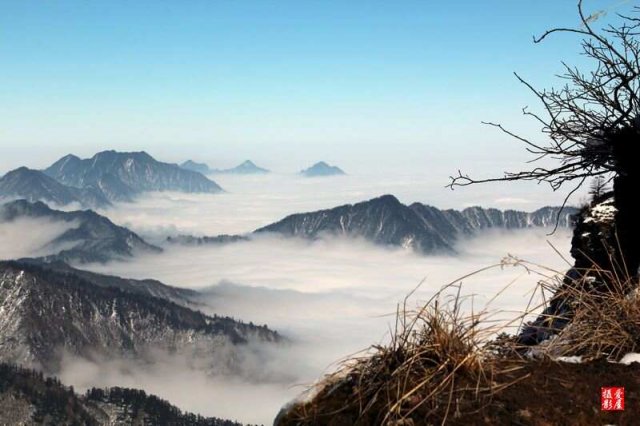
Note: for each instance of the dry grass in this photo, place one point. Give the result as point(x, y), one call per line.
point(442, 363)
point(604, 317)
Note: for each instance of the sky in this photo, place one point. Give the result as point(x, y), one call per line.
point(367, 85)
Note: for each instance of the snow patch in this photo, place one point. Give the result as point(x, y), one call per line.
point(570, 359)
point(629, 358)
point(603, 212)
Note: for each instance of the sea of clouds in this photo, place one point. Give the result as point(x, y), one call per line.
point(330, 298)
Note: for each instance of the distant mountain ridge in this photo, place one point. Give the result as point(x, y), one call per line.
point(46, 310)
point(107, 177)
point(196, 167)
point(426, 229)
point(322, 169)
point(122, 175)
point(386, 221)
point(33, 185)
point(247, 167)
point(90, 238)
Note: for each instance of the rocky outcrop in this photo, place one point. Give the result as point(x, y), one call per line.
point(592, 246)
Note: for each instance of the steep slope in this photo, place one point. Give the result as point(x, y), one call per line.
point(124, 174)
point(34, 185)
point(27, 397)
point(45, 312)
point(148, 287)
point(322, 169)
point(426, 229)
point(91, 237)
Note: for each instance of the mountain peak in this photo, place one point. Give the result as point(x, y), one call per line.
point(69, 157)
point(34, 185)
point(112, 154)
point(122, 175)
point(90, 238)
point(385, 199)
point(22, 170)
point(322, 168)
point(247, 167)
point(385, 220)
point(196, 167)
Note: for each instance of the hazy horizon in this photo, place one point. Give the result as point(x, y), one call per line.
point(362, 85)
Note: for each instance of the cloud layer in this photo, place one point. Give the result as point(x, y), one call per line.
point(28, 237)
point(255, 201)
point(332, 298)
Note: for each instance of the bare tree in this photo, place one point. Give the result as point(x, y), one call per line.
point(592, 125)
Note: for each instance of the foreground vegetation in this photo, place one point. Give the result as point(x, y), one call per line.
point(444, 366)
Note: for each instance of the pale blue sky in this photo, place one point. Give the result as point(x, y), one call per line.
point(364, 84)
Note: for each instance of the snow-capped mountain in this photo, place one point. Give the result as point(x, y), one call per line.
point(89, 238)
point(47, 314)
point(385, 220)
point(153, 288)
point(123, 174)
point(34, 185)
point(322, 169)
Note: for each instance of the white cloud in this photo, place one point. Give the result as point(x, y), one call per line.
point(332, 298)
point(255, 201)
point(29, 237)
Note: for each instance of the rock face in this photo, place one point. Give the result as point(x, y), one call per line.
point(46, 312)
point(121, 175)
point(196, 167)
point(322, 169)
point(90, 238)
point(34, 185)
point(594, 240)
point(424, 228)
point(28, 398)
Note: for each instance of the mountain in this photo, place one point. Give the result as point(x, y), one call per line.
point(45, 310)
point(426, 229)
point(90, 237)
point(29, 398)
point(34, 185)
point(122, 175)
point(152, 288)
point(246, 168)
point(196, 167)
point(322, 169)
